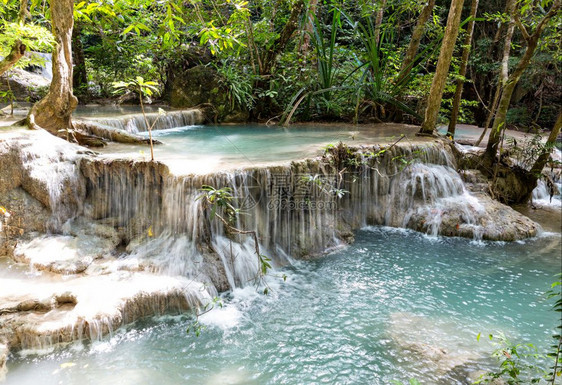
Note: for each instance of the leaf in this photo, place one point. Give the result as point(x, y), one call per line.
point(478, 337)
point(67, 365)
point(150, 233)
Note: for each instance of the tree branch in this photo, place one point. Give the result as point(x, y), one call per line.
point(522, 28)
point(18, 50)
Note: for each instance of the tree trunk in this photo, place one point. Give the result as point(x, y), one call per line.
point(417, 34)
point(504, 69)
point(267, 60)
point(18, 50)
point(462, 69)
point(311, 12)
point(513, 79)
point(378, 22)
point(80, 77)
point(442, 70)
point(290, 27)
point(23, 13)
point(550, 142)
point(53, 112)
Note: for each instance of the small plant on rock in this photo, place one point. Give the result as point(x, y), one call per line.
point(142, 88)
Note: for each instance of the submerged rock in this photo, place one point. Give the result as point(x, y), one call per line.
point(432, 346)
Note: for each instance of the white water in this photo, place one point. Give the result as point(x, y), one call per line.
point(136, 123)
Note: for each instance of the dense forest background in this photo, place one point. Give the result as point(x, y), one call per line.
point(308, 60)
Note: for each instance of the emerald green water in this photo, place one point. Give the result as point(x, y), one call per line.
point(202, 149)
point(345, 318)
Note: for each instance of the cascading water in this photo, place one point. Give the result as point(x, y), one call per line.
point(152, 246)
point(136, 123)
point(295, 210)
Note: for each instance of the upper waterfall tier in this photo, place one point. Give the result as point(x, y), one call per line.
point(136, 123)
point(208, 149)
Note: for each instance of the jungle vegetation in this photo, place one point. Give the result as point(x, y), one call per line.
point(489, 63)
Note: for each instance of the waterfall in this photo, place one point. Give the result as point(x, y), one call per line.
point(47, 168)
point(295, 210)
point(541, 195)
point(138, 240)
point(136, 123)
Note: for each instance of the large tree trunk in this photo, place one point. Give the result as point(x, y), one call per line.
point(442, 70)
point(509, 87)
point(53, 112)
point(417, 34)
point(463, 68)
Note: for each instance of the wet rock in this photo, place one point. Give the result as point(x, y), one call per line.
point(3, 358)
point(483, 218)
point(64, 254)
point(51, 312)
point(46, 168)
point(26, 213)
point(475, 181)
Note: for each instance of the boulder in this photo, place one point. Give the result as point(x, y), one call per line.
point(477, 216)
point(26, 86)
point(192, 82)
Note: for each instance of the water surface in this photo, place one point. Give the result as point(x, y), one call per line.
point(356, 316)
point(203, 149)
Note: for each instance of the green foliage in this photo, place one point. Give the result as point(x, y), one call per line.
point(220, 198)
point(7, 96)
point(379, 70)
point(521, 363)
point(527, 151)
point(239, 85)
point(138, 85)
point(518, 116)
point(517, 363)
point(35, 37)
